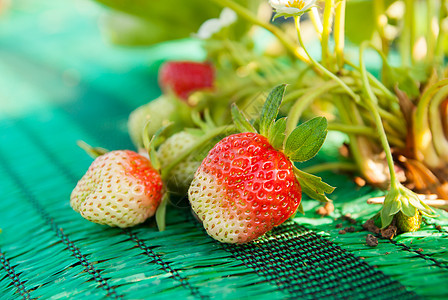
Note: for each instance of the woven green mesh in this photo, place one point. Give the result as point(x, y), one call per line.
point(51, 98)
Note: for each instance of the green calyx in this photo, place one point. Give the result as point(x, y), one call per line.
point(270, 108)
point(150, 143)
point(300, 145)
point(401, 199)
point(286, 15)
point(93, 152)
point(313, 185)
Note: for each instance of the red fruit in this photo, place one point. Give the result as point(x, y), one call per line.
point(185, 77)
point(121, 188)
point(243, 188)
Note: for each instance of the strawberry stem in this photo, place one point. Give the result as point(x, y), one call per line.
point(304, 101)
point(248, 15)
point(320, 67)
point(371, 104)
point(425, 150)
point(435, 121)
point(332, 166)
point(339, 30)
point(329, 5)
point(357, 129)
point(317, 23)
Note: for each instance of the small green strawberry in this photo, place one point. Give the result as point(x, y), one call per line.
point(405, 207)
point(408, 224)
point(248, 183)
point(121, 188)
point(182, 174)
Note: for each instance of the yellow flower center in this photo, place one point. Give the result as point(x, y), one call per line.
point(299, 4)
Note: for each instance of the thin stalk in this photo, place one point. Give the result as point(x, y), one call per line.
point(200, 143)
point(322, 68)
point(405, 38)
point(329, 5)
point(386, 92)
point(395, 121)
point(370, 101)
point(339, 30)
point(410, 6)
point(248, 15)
point(441, 37)
point(303, 102)
point(425, 100)
point(435, 120)
point(294, 94)
point(424, 147)
point(430, 34)
point(354, 129)
point(353, 142)
point(340, 166)
point(317, 23)
point(380, 22)
point(363, 130)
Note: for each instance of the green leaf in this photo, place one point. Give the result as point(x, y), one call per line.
point(240, 120)
point(276, 134)
point(313, 185)
point(143, 22)
point(270, 108)
point(305, 141)
point(359, 12)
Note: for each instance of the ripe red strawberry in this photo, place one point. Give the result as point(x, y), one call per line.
point(185, 77)
point(243, 188)
point(247, 184)
point(121, 188)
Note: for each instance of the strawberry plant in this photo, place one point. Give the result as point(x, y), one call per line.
point(394, 120)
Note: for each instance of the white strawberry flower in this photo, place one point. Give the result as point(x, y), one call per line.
point(215, 25)
point(290, 8)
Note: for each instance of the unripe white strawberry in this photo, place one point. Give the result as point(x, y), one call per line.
point(182, 174)
point(120, 188)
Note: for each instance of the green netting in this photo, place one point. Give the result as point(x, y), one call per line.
point(48, 251)
point(106, 261)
